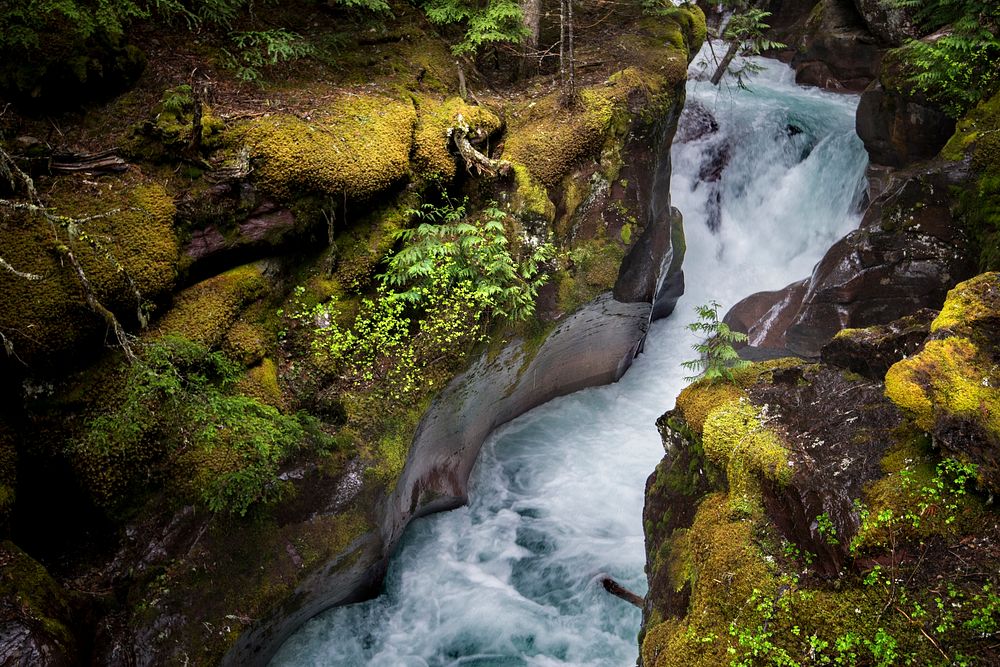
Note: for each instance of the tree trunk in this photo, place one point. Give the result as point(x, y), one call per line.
point(532, 11)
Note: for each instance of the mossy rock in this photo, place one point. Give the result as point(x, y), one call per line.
point(952, 389)
point(204, 312)
point(134, 248)
point(972, 308)
point(736, 439)
point(246, 343)
point(549, 139)
point(432, 136)
point(719, 558)
point(36, 612)
point(356, 148)
point(261, 383)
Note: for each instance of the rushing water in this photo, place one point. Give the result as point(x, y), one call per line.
point(556, 497)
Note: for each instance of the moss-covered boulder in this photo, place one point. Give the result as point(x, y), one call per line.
point(952, 387)
point(356, 147)
point(830, 530)
point(432, 154)
point(122, 234)
point(204, 312)
point(37, 617)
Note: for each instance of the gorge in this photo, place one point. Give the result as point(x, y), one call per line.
point(347, 332)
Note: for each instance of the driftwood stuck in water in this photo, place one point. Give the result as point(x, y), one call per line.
point(616, 589)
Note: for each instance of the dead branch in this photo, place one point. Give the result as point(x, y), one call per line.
point(475, 162)
point(19, 274)
point(105, 162)
point(616, 589)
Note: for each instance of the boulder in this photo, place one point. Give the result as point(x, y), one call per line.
point(892, 25)
point(835, 49)
point(872, 350)
point(36, 615)
point(952, 387)
point(906, 255)
point(899, 129)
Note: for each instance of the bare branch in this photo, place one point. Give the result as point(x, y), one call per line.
point(19, 274)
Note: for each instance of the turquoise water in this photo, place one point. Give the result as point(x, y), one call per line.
point(556, 497)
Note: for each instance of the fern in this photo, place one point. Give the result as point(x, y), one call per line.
point(473, 251)
point(958, 67)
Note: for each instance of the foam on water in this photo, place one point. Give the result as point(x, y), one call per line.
point(556, 497)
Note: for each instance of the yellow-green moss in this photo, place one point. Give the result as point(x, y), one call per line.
point(949, 377)
point(593, 270)
point(978, 124)
point(356, 147)
point(261, 383)
point(699, 398)
point(550, 139)
point(737, 440)
point(724, 567)
point(49, 315)
point(968, 303)
point(431, 154)
point(366, 243)
point(245, 343)
point(203, 313)
point(531, 199)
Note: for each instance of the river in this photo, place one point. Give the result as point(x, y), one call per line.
point(556, 497)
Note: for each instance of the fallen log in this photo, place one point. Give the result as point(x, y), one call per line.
point(105, 162)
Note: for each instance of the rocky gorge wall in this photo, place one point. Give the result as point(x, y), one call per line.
point(836, 505)
point(287, 209)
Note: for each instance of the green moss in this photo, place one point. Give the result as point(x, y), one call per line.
point(968, 304)
point(32, 596)
point(356, 147)
point(950, 377)
point(261, 383)
point(737, 440)
point(366, 244)
point(550, 139)
point(719, 558)
point(699, 398)
point(203, 313)
point(431, 154)
point(49, 316)
point(593, 269)
point(245, 343)
point(531, 199)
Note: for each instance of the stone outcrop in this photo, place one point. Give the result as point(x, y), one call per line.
point(790, 500)
point(907, 253)
point(899, 128)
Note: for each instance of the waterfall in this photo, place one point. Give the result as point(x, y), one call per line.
point(767, 180)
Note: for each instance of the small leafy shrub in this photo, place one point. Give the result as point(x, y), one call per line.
point(254, 50)
point(717, 358)
point(177, 421)
point(486, 23)
point(432, 306)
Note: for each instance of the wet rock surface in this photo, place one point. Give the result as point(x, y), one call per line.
point(900, 129)
point(907, 253)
